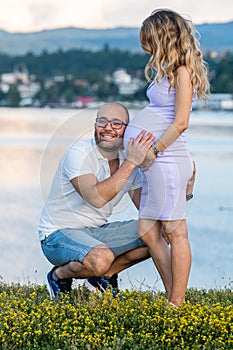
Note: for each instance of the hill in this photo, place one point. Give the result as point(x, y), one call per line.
point(215, 36)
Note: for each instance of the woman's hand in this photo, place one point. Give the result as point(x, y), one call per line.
point(190, 184)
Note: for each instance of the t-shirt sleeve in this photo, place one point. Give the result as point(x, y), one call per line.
point(77, 161)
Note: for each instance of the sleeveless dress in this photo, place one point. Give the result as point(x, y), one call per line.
point(164, 184)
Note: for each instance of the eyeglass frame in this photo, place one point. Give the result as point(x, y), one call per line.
point(106, 121)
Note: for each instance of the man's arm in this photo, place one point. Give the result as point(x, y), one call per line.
point(99, 193)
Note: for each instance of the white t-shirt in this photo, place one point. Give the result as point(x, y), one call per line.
point(64, 207)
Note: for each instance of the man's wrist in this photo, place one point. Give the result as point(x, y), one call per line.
point(130, 163)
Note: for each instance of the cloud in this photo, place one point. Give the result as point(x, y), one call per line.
point(32, 15)
point(133, 12)
point(42, 11)
point(126, 13)
point(60, 13)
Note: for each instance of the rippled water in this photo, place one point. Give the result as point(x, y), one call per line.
point(31, 144)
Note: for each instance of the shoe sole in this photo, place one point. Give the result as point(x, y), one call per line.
point(90, 287)
point(47, 284)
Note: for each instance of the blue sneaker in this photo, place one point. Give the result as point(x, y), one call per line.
point(104, 283)
point(57, 287)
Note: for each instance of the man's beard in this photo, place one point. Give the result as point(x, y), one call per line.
point(109, 146)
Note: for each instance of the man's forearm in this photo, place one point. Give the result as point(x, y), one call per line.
point(106, 190)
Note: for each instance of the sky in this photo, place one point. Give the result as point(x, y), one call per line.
point(36, 15)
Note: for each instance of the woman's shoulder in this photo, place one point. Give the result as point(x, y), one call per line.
point(182, 71)
point(182, 75)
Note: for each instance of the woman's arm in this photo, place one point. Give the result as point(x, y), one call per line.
point(183, 102)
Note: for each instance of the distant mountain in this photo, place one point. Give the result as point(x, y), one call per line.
point(214, 36)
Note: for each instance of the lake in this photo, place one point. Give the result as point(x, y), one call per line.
point(32, 142)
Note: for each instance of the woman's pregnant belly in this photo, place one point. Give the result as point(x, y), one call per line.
point(153, 121)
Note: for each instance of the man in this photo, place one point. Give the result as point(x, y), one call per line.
point(91, 179)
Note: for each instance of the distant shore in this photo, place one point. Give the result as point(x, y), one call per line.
point(215, 102)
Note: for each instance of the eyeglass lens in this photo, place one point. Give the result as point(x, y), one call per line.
point(115, 124)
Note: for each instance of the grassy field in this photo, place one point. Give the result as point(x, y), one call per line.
point(136, 320)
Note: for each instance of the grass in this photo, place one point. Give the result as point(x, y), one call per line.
point(92, 321)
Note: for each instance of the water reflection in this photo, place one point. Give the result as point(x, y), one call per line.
point(31, 144)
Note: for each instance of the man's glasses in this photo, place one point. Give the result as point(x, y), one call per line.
point(115, 124)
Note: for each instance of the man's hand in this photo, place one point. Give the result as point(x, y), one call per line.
point(137, 150)
point(150, 157)
point(190, 185)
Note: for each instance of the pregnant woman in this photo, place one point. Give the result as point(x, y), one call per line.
point(177, 74)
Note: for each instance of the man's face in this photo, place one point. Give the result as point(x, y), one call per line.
point(109, 137)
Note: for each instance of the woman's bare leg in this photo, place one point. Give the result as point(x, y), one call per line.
point(177, 235)
point(150, 232)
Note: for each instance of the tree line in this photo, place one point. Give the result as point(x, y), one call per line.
point(97, 67)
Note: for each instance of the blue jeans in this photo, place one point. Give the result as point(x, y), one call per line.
point(71, 244)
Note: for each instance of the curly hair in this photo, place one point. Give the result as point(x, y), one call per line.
point(171, 41)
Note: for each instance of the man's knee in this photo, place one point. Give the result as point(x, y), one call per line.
point(99, 260)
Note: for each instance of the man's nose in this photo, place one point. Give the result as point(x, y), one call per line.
point(108, 126)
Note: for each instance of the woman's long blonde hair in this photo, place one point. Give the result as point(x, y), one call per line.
point(171, 41)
